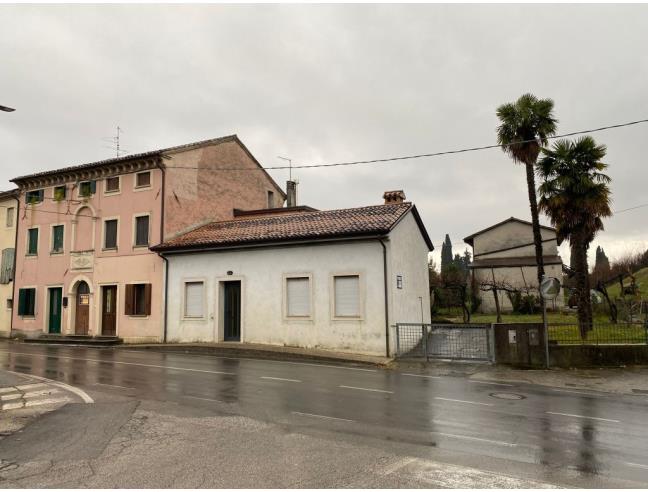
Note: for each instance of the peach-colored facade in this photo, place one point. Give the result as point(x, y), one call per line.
point(177, 198)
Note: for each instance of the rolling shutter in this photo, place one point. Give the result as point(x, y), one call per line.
point(194, 299)
point(347, 296)
point(298, 296)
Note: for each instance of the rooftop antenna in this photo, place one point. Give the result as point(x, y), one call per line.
point(115, 142)
point(289, 166)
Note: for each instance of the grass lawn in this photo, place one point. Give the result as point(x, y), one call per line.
point(641, 277)
point(603, 333)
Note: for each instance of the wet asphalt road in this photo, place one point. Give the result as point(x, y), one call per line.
point(563, 437)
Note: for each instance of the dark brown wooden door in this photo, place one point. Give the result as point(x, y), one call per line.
point(82, 320)
point(232, 311)
point(109, 311)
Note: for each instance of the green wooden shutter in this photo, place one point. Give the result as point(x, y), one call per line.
point(93, 186)
point(31, 302)
point(21, 302)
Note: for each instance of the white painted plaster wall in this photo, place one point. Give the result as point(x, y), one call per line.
point(262, 274)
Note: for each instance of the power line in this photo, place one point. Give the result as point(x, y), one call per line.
point(631, 208)
point(417, 156)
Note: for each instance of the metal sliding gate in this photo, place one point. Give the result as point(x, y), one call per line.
point(444, 341)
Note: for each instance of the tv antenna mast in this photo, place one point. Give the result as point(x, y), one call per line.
point(289, 166)
point(115, 141)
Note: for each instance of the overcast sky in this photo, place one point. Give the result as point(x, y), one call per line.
point(334, 83)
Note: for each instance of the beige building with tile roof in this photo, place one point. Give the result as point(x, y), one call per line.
point(504, 253)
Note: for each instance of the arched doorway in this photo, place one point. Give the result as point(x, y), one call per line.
point(82, 317)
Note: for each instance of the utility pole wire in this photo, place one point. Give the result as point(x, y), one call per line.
point(415, 156)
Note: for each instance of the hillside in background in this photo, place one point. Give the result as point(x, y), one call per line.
point(641, 278)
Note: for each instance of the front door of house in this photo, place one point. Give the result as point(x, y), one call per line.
point(82, 317)
point(54, 320)
point(232, 311)
point(109, 311)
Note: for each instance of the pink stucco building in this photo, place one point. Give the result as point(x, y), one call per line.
point(83, 264)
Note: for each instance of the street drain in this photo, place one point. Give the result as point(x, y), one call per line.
point(508, 396)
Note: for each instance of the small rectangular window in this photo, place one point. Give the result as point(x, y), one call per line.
point(142, 180)
point(11, 211)
point(347, 296)
point(57, 239)
point(142, 230)
point(59, 193)
point(110, 234)
point(26, 302)
point(298, 297)
point(9, 303)
point(138, 299)
point(194, 299)
point(34, 196)
point(87, 188)
point(32, 241)
point(270, 199)
point(112, 184)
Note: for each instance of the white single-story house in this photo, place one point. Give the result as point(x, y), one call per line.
point(504, 254)
point(334, 279)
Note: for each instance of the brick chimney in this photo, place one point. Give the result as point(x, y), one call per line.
point(291, 193)
point(396, 196)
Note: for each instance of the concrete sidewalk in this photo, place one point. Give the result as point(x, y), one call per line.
point(631, 380)
point(261, 351)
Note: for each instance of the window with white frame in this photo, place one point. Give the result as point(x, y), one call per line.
point(194, 299)
point(347, 296)
point(298, 297)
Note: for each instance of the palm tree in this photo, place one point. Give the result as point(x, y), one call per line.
point(575, 196)
point(525, 128)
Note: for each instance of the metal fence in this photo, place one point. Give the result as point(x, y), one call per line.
point(444, 341)
point(602, 334)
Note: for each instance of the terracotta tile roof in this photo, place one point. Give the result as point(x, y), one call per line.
point(301, 225)
point(126, 158)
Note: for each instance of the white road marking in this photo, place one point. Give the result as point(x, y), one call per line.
point(13, 396)
point(24, 387)
point(114, 386)
point(464, 401)
point(637, 465)
point(46, 401)
point(489, 382)
point(46, 392)
point(470, 438)
point(281, 379)
point(100, 361)
point(420, 376)
point(321, 416)
point(12, 406)
point(366, 389)
point(79, 392)
point(10, 389)
point(198, 355)
point(583, 417)
point(206, 399)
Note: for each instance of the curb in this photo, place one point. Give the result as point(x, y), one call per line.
point(254, 353)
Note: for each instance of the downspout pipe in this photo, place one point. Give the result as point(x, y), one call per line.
point(384, 247)
point(166, 299)
point(14, 306)
point(166, 261)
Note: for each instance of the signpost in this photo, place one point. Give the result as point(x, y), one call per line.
point(549, 290)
